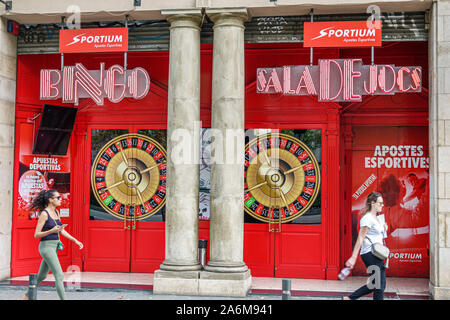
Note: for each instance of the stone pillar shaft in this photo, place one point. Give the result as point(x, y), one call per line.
point(8, 62)
point(227, 120)
point(439, 149)
point(183, 126)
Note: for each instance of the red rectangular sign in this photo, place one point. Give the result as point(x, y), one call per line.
point(342, 34)
point(93, 40)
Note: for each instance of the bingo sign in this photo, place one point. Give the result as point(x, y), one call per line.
point(39, 173)
point(75, 82)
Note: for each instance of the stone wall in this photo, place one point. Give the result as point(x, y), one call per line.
point(8, 62)
point(439, 61)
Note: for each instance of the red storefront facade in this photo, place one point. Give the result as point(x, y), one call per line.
point(348, 140)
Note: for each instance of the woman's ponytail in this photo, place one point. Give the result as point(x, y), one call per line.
point(40, 202)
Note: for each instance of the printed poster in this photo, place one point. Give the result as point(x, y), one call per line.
point(37, 173)
point(394, 161)
point(40, 172)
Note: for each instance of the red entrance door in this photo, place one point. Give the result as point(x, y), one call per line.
point(284, 225)
point(289, 251)
point(124, 219)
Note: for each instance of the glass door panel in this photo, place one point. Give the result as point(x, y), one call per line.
point(282, 194)
point(99, 138)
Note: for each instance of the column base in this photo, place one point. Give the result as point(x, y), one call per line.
point(236, 284)
point(179, 267)
point(223, 267)
point(175, 282)
point(202, 283)
point(440, 293)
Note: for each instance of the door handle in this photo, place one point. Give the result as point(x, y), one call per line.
point(133, 221)
point(125, 226)
point(272, 227)
point(279, 224)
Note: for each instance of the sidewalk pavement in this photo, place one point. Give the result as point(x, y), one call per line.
point(138, 286)
point(16, 292)
point(49, 293)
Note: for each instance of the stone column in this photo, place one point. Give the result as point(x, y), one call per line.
point(439, 148)
point(8, 57)
point(333, 192)
point(183, 169)
point(227, 170)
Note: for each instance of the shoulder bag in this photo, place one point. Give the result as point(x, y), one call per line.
point(378, 250)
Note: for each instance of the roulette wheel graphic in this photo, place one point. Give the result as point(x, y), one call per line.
point(282, 178)
point(128, 177)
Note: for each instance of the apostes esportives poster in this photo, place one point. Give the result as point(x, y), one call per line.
point(395, 162)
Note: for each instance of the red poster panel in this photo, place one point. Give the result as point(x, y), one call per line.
point(394, 161)
point(41, 172)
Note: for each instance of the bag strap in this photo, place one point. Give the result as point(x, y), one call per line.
point(371, 243)
point(384, 229)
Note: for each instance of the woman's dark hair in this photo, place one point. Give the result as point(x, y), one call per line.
point(41, 200)
point(372, 197)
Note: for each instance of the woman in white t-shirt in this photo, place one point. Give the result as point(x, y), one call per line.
point(371, 231)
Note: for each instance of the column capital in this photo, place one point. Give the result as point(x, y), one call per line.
point(224, 15)
point(183, 18)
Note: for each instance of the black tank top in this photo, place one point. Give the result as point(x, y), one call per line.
point(50, 224)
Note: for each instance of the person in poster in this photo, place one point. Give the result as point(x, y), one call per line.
point(407, 215)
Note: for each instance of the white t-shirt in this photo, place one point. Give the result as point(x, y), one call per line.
point(375, 233)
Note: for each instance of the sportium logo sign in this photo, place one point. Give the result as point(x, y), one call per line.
point(341, 34)
point(93, 40)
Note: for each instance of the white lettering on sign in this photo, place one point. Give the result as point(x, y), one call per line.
point(403, 156)
point(45, 164)
point(338, 33)
point(364, 186)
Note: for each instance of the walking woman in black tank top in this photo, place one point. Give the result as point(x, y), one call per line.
point(48, 229)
